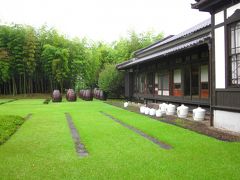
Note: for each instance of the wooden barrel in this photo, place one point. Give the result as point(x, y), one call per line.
point(94, 92)
point(81, 93)
point(71, 96)
point(102, 95)
point(88, 95)
point(56, 96)
point(98, 94)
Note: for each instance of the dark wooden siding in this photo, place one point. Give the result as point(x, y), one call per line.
point(128, 84)
point(225, 98)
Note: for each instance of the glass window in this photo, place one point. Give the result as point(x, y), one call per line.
point(234, 57)
point(204, 82)
point(163, 83)
point(150, 81)
point(142, 83)
point(177, 80)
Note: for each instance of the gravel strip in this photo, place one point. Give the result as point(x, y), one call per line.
point(80, 149)
point(156, 141)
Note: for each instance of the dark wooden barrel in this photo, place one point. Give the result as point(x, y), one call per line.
point(98, 94)
point(71, 96)
point(94, 92)
point(81, 93)
point(102, 95)
point(88, 95)
point(56, 96)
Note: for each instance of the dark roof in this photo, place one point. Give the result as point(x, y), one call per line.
point(151, 45)
point(187, 39)
point(211, 5)
point(183, 34)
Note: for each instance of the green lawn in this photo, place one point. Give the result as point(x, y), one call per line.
point(8, 125)
point(4, 100)
point(43, 148)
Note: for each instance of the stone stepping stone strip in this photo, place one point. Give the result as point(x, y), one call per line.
point(80, 149)
point(28, 117)
point(5, 102)
point(152, 139)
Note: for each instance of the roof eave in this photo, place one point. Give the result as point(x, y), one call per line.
point(138, 61)
point(208, 5)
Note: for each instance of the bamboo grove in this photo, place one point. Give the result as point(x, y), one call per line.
point(40, 60)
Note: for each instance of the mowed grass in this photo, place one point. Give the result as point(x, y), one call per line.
point(8, 125)
point(43, 148)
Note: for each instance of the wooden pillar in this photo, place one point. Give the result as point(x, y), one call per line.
point(210, 82)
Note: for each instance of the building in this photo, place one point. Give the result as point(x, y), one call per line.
point(198, 67)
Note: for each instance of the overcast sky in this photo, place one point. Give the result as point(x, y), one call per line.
point(103, 19)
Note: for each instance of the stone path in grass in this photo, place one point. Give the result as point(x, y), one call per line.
point(199, 127)
point(156, 141)
point(28, 117)
point(80, 149)
point(4, 102)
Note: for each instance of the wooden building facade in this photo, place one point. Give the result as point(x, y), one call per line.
point(200, 66)
point(175, 69)
point(225, 25)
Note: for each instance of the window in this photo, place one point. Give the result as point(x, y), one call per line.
point(150, 81)
point(234, 55)
point(163, 83)
point(141, 83)
point(204, 81)
point(136, 83)
point(177, 80)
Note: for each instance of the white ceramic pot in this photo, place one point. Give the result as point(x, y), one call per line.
point(125, 104)
point(142, 109)
point(147, 110)
point(159, 113)
point(171, 109)
point(152, 112)
point(182, 111)
point(163, 107)
point(199, 114)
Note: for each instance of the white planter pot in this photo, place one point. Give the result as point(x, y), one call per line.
point(159, 113)
point(163, 107)
point(142, 109)
point(199, 114)
point(182, 111)
point(152, 112)
point(171, 109)
point(147, 110)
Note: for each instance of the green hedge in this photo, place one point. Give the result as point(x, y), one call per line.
point(111, 81)
point(8, 126)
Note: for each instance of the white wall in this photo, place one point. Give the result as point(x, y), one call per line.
point(219, 18)
point(232, 9)
point(219, 58)
point(165, 92)
point(227, 120)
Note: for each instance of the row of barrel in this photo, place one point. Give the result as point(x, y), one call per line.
point(70, 96)
point(88, 94)
point(99, 94)
point(85, 94)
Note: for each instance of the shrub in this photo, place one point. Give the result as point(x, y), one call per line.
point(46, 101)
point(111, 81)
point(8, 125)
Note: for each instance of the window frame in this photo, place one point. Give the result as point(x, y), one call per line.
point(161, 75)
point(230, 55)
point(229, 22)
